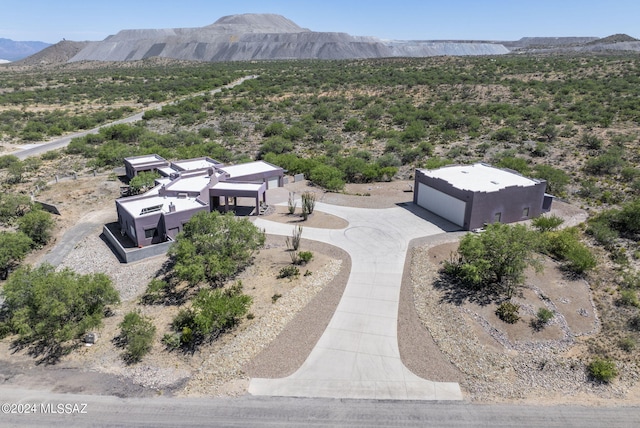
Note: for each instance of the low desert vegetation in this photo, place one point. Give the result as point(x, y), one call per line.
point(570, 120)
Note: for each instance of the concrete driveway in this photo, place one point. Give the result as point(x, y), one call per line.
point(357, 355)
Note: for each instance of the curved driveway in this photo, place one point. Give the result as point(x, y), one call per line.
point(357, 355)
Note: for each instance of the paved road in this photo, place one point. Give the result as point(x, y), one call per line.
point(357, 355)
point(295, 412)
point(39, 149)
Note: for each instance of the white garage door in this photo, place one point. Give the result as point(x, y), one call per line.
point(272, 183)
point(440, 203)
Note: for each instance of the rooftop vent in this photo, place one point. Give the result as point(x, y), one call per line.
point(494, 182)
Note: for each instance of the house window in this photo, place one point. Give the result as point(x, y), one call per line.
point(525, 212)
point(150, 233)
point(497, 217)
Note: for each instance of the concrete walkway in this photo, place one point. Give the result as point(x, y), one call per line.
point(357, 355)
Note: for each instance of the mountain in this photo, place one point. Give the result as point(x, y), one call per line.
point(271, 37)
point(11, 50)
point(59, 53)
point(264, 37)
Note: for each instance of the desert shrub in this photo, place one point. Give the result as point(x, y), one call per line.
point(566, 246)
point(37, 225)
point(293, 241)
point(606, 163)
point(353, 125)
point(591, 142)
point(517, 164)
point(291, 204)
point(155, 291)
point(627, 220)
point(505, 134)
point(8, 160)
point(14, 246)
point(212, 313)
point(136, 333)
point(601, 231)
point(556, 178)
point(308, 204)
point(289, 272)
point(435, 163)
point(602, 370)
point(305, 256)
point(579, 259)
point(508, 312)
point(329, 177)
point(629, 297)
point(627, 344)
point(546, 224)
point(275, 297)
point(544, 315)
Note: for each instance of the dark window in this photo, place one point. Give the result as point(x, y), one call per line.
point(525, 212)
point(497, 217)
point(150, 233)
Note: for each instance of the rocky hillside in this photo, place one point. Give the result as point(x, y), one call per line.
point(263, 37)
point(59, 53)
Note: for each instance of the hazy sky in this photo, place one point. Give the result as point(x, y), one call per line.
point(52, 20)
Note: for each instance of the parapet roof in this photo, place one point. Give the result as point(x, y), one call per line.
point(248, 168)
point(479, 177)
point(153, 203)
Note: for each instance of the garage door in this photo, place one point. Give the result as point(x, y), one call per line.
point(272, 183)
point(440, 203)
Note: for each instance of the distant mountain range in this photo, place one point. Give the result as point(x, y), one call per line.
point(271, 37)
point(11, 50)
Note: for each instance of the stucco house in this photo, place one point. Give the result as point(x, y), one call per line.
point(472, 196)
point(186, 187)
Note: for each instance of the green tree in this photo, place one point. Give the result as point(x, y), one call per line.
point(48, 309)
point(136, 334)
point(13, 206)
point(37, 225)
point(213, 247)
point(556, 178)
point(142, 182)
point(13, 247)
point(329, 177)
point(497, 257)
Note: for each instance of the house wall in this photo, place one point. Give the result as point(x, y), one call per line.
point(174, 222)
point(510, 203)
point(482, 207)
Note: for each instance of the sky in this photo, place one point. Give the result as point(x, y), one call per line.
point(79, 20)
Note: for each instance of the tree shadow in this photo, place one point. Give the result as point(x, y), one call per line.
point(458, 292)
point(45, 351)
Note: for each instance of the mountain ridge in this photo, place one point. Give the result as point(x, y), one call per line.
point(267, 36)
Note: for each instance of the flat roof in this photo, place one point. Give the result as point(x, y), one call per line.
point(193, 164)
point(154, 204)
point(225, 185)
point(145, 159)
point(249, 168)
point(194, 183)
point(479, 177)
